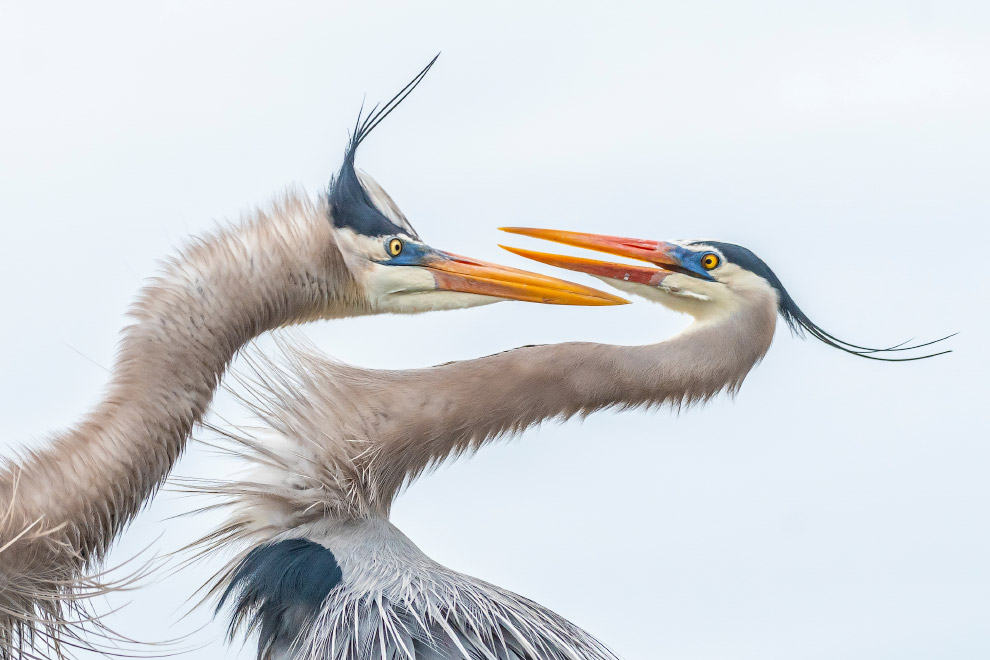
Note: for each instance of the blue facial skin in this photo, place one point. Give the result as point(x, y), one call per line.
point(691, 260)
point(417, 254)
point(413, 254)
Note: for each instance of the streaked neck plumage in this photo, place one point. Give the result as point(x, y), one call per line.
point(279, 267)
point(378, 429)
point(339, 442)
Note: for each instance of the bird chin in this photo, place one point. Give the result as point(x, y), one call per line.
point(683, 293)
point(676, 292)
point(659, 294)
point(411, 290)
point(431, 300)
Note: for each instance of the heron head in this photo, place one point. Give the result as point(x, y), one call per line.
point(707, 279)
point(398, 272)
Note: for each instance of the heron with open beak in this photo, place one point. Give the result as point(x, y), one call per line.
point(323, 574)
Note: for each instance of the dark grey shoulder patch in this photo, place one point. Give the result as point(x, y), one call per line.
point(278, 587)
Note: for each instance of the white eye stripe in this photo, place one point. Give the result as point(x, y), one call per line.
point(384, 203)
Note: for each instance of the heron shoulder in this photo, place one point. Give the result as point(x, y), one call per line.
point(391, 597)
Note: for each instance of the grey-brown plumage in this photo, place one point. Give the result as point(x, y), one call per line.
point(64, 504)
point(351, 252)
point(324, 575)
point(337, 443)
point(381, 428)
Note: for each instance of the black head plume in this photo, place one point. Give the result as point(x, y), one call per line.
point(798, 321)
point(349, 202)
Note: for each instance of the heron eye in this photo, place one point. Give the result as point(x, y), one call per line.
point(395, 247)
point(709, 261)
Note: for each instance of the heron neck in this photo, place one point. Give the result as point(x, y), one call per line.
point(281, 267)
point(439, 412)
point(399, 423)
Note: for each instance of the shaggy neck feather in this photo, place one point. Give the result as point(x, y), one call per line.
point(76, 494)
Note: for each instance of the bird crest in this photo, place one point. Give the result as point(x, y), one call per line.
point(798, 321)
point(348, 192)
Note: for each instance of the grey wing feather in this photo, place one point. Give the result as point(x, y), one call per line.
point(509, 628)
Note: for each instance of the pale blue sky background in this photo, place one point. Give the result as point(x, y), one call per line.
point(835, 508)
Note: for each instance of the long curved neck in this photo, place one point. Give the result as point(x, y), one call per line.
point(278, 268)
point(379, 428)
point(457, 407)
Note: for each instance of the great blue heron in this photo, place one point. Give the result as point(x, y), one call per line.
point(324, 575)
point(352, 252)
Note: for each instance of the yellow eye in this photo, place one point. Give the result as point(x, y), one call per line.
point(709, 261)
point(395, 247)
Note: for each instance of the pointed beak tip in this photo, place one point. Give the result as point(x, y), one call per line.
point(462, 274)
point(650, 276)
point(601, 300)
point(569, 263)
point(525, 231)
point(605, 299)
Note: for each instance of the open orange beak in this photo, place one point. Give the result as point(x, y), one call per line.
point(667, 256)
point(456, 273)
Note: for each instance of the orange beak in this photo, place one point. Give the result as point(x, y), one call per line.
point(624, 272)
point(456, 273)
point(664, 255)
